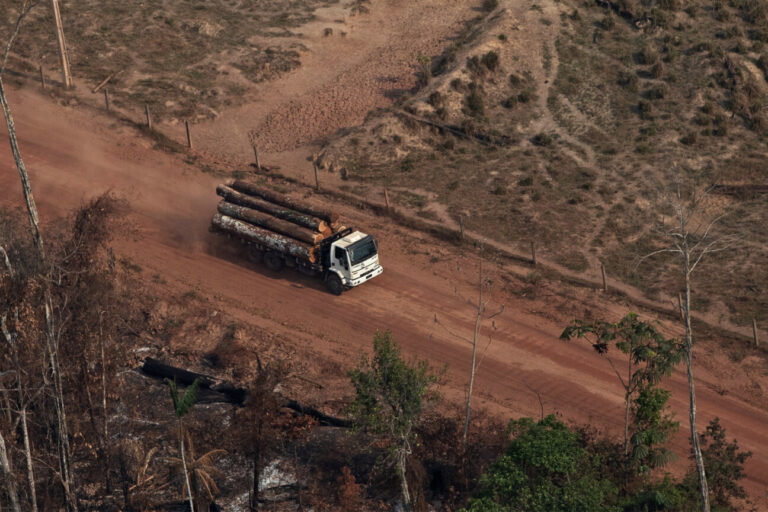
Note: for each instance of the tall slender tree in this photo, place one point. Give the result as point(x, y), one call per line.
point(390, 396)
point(181, 406)
point(690, 235)
point(52, 342)
point(650, 356)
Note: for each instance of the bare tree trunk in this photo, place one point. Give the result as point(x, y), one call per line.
point(478, 319)
point(52, 344)
point(28, 455)
point(627, 397)
point(472, 372)
point(8, 476)
point(402, 455)
point(184, 466)
point(703, 487)
point(105, 432)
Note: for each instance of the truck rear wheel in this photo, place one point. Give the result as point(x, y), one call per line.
point(273, 261)
point(334, 284)
point(255, 255)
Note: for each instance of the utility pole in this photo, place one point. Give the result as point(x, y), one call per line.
point(63, 57)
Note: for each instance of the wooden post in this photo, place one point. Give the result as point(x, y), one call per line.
point(605, 283)
point(386, 199)
point(42, 77)
point(533, 253)
point(680, 305)
point(106, 99)
point(317, 181)
point(256, 156)
point(461, 226)
point(189, 136)
point(754, 332)
point(63, 55)
point(149, 118)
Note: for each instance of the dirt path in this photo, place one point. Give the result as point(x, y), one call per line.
point(73, 157)
point(340, 80)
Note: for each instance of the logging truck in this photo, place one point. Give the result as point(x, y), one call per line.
point(285, 232)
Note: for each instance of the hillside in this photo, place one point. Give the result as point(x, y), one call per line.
point(571, 124)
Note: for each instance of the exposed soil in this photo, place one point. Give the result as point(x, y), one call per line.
point(73, 156)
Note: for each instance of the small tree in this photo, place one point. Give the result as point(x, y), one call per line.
point(650, 356)
point(390, 396)
point(725, 466)
point(482, 312)
point(181, 406)
point(545, 468)
point(651, 427)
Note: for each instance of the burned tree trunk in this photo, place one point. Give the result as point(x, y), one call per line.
point(274, 197)
point(281, 212)
point(269, 222)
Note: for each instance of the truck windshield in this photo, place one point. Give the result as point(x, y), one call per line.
point(362, 250)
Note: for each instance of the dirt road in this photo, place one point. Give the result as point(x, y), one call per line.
point(72, 157)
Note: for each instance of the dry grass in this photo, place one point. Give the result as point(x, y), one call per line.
point(185, 59)
point(596, 126)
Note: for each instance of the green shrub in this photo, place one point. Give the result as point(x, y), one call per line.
point(525, 182)
point(491, 60)
point(657, 70)
point(647, 56)
point(628, 80)
point(645, 110)
point(689, 138)
point(509, 102)
point(435, 99)
point(475, 103)
point(542, 139)
point(526, 96)
point(490, 5)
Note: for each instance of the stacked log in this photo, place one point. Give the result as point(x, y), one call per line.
point(269, 222)
point(298, 205)
point(270, 239)
point(272, 220)
point(279, 211)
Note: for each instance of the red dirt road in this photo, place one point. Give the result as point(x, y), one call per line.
point(72, 157)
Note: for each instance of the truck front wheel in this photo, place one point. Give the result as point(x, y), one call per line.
point(334, 285)
point(273, 261)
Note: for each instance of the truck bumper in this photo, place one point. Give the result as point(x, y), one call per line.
point(366, 277)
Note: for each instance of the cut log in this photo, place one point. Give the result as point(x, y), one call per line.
point(210, 389)
point(321, 418)
point(281, 212)
point(275, 197)
point(270, 239)
point(269, 222)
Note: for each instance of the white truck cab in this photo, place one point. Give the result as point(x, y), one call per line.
point(354, 259)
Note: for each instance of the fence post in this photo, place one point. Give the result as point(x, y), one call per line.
point(256, 157)
point(106, 99)
point(189, 135)
point(317, 181)
point(461, 226)
point(605, 283)
point(149, 118)
point(533, 253)
point(42, 77)
point(386, 199)
point(754, 332)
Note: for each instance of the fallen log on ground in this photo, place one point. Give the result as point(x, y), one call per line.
point(270, 239)
point(275, 197)
point(210, 389)
point(269, 222)
point(747, 191)
point(323, 419)
point(281, 212)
